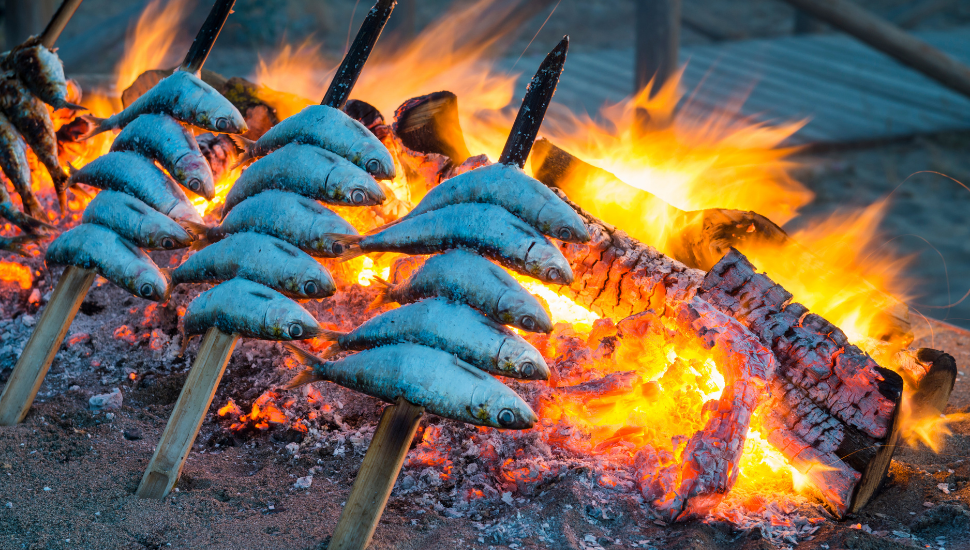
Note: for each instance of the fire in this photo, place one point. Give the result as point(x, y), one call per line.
point(13, 272)
point(263, 412)
point(147, 45)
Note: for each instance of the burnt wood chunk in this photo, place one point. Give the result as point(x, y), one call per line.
point(429, 124)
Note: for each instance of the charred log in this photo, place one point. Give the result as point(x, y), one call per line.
point(429, 124)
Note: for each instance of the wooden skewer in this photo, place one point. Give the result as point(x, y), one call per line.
point(39, 352)
point(353, 63)
point(206, 38)
point(377, 475)
point(183, 426)
point(58, 22)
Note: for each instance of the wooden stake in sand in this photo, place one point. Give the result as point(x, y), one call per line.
point(377, 475)
point(38, 354)
point(190, 409)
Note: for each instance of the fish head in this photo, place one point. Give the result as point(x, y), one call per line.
point(518, 358)
point(194, 173)
point(322, 243)
point(546, 263)
point(185, 212)
point(559, 220)
point(150, 283)
point(42, 72)
point(371, 155)
point(505, 410)
point(287, 320)
point(213, 111)
point(518, 308)
point(349, 185)
point(316, 282)
point(165, 236)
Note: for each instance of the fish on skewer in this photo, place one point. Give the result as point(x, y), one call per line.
point(437, 380)
point(467, 278)
point(32, 120)
point(10, 212)
point(487, 229)
point(329, 129)
point(240, 306)
point(17, 244)
point(300, 221)
point(509, 187)
point(91, 246)
point(309, 171)
point(262, 259)
point(136, 221)
point(42, 73)
point(184, 97)
point(13, 161)
point(451, 327)
point(138, 176)
point(163, 139)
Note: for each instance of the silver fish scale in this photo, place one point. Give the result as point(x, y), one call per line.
point(440, 382)
point(510, 188)
point(467, 278)
point(260, 258)
point(455, 328)
point(137, 176)
point(295, 219)
point(240, 306)
point(135, 221)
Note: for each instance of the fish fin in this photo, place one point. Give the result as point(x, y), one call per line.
point(331, 350)
point(384, 294)
point(330, 335)
point(308, 376)
point(97, 126)
point(69, 105)
point(185, 340)
point(199, 230)
point(351, 244)
point(16, 244)
point(244, 144)
point(81, 192)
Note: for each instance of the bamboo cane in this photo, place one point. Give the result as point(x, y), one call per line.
point(58, 22)
point(377, 475)
point(183, 426)
point(38, 354)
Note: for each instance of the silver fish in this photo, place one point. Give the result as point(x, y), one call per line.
point(138, 176)
point(260, 258)
point(509, 187)
point(487, 229)
point(13, 160)
point(94, 247)
point(17, 244)
point(31, 118)
point(470, 279)
point(42, 73)
point(448, 326)
point(239, 306)
point(162, 138)
point(436, 380)
point(300, 221)
point(309, 171)
point(329, 129)
point(184, 97)
point(136, 221)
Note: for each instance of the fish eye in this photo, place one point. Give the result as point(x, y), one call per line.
point(337, 248)
point(222, 124)
point(296, 330)
point(194, 184)
point(528, 323)
point(146, 290)
point(553, 275)
point(373, 166)
point(310, 288)
point(358, 196)
point(506, 417)
point(527, 369)
point(168, 242)
point(565, 234)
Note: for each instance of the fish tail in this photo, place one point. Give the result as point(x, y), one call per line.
point(244, 144)
point(97, 125)
point(331, 350)
point(17, 244)
point(199, 230)
point(308, 376)
point(69, 105)
point(330, 335)
point(349, 243)
point(383, 294)
point(27, 223)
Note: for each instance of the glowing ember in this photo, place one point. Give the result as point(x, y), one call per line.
point(13, 272)
point(264, 412)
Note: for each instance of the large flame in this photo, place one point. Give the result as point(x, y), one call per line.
point(148, 43)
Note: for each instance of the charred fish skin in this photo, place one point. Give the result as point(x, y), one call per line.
point(300, 221)
point(309, 171)
point(240, 306)
point(162, 138)
point(41, 72)
point(13, 161)
point(464, 277)
point(182, 96)
point(262, 259)
point(91, 246)
point(32, 120)
point(437, 380)
point(17, 244)
point(329, 129)
point(136, 221)
point(135, 175)
point(9, 211)
point(455, 328)
point(487, 229)
point(509, 187)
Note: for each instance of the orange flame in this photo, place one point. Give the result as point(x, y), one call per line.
point(148, 43)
